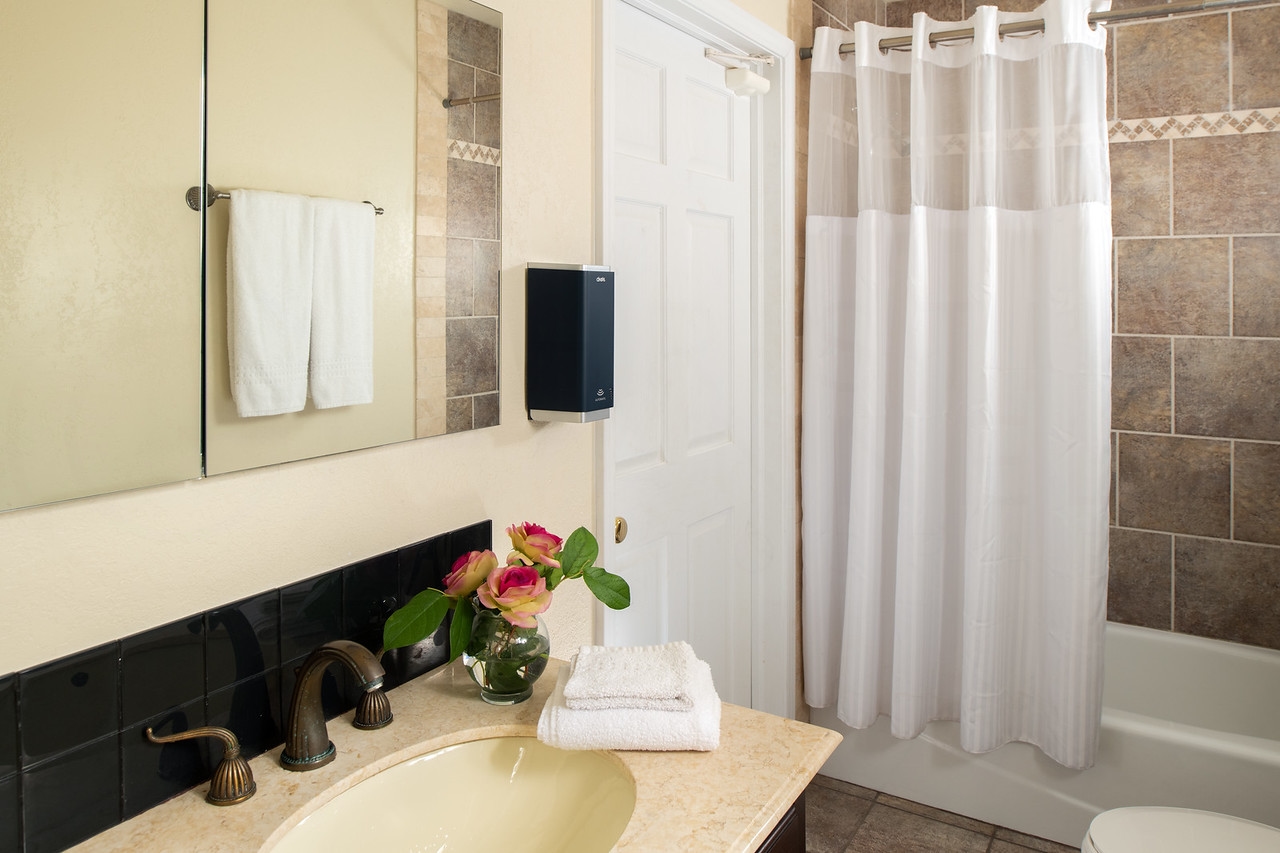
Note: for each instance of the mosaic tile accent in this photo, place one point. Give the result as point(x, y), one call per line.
point(474, 152)
point(1193, 126)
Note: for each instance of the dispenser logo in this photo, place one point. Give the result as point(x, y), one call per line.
point(601, 279)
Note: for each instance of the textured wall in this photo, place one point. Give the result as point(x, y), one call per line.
point(1195, 161)
point(1196, 412)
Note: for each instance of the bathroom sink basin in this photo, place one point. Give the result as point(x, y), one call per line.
point(482, 795)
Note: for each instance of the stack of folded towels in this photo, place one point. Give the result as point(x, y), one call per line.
point(633, 697)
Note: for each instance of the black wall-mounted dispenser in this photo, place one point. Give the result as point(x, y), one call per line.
point(568, 342)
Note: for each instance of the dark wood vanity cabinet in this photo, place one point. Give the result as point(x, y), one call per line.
point(788, 835)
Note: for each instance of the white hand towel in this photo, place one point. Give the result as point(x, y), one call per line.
point(652, 677)
point(342, 304)
point(269, 272)
point(697, 729)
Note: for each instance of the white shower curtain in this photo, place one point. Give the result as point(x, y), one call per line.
point(956, 375)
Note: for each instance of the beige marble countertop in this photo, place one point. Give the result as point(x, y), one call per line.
point(724, 801)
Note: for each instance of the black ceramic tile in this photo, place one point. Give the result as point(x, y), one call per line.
point(154, 772)
point(161, 669)
point(408, 662)
point(72, 796)
point(251, 709)
point(423, 564)
point(10, 817)
point(242, 640)
point(310, 614)
point(476, 537)
point(8, 726)
point(369, 592)
point(69, 702)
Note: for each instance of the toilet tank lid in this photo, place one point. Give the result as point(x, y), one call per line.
point(1148, 829)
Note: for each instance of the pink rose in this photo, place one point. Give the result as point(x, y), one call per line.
point(517, 592)
point(533, 544)
point(469, 571)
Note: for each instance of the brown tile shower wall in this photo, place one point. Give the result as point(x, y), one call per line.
point(458, 249)
point(1195, 163)
point(1196, 354)
point(474, 219)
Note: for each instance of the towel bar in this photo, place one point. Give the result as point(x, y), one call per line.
point(195, 198)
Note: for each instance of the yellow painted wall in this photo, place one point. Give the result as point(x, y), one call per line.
point(80, 573)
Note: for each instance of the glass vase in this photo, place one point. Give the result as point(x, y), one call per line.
point(505, 660)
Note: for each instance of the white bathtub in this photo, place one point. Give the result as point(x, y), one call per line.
point(1186, 722)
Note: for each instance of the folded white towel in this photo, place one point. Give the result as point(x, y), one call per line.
point(697, 729)
point(651, 677)
point(342, 304)
point(269, 272)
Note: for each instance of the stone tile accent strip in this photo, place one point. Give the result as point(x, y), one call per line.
point(1195, 125)
point(474, 152)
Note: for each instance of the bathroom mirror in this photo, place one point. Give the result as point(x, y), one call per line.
point(104, 384)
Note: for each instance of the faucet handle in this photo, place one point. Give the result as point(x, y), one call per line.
point(233, 779)
point(374, 710)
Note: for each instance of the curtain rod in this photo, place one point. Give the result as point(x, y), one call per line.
point(1174, 8)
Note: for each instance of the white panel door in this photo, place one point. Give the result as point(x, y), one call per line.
point(679, 439)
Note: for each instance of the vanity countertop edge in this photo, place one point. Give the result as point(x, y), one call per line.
point(724, 801)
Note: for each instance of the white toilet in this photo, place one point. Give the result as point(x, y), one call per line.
point(1154, 829)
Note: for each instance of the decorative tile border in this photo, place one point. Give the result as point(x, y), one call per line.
point(1192, 126)
point(476, 153)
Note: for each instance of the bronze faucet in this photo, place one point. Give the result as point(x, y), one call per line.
point(306, 741)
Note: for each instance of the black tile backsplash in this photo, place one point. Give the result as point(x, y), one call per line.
point(310, 614)
point(476, 537)
point(8, 727)
point(161, 669)
point(242, 640)
point(424, 564)
point(71, 796)
point(73, 757)
point(253, 710)
point(153, 772)
point(68, 703)
point(10, 816)
point(370, 592)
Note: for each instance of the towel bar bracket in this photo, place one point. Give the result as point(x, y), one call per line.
point(196, 198)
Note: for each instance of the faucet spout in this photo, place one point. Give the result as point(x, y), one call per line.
point(307, 745)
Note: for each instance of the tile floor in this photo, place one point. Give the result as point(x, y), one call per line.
point(845, 818)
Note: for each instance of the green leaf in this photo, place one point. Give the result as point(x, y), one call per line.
point(460, 630)
point(578, 553)
point(612, 590)
point(554, 576)
point(417, 620)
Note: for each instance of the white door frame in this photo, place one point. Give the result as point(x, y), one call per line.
point(725, 26)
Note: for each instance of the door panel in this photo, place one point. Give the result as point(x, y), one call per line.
point(680, 433)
